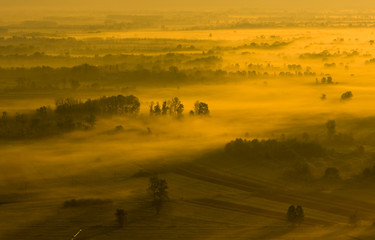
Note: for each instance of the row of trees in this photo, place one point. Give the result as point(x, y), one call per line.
point(70, 114)
point(43, 122)
point(324, 80)
point(103, 106)
point(73, 114)
point(174, 107)
point(272, 149)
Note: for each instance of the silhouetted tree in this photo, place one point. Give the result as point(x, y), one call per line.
point(158, 190)
point(201, 108)
point(121, 217)
point(172, 107)
point(291, 214)
point(176, 107)
point(300, 215)
point(155, 110)
point(329, 80)
point(165, 108)
point(295, 215)
point(331, 128)
point(346, 96)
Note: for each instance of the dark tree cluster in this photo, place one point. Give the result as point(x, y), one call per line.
point(200, 108)
point(346, 96)
point(103, 106)
point(294, 67)
point(368, 173)
point(172, 107)
point(326, 54)
point(295, 215)
point(273, 149)
point(43, 122)
point(70, 114)
point(339, 138)
point(297, 74)
point(325, 80)
point(158, 190)
point(263, 45)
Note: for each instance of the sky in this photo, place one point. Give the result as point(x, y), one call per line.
point(127, 5)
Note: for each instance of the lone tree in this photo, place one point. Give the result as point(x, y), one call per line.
point(331, 128)
point(158, 190)
point(121, 217)
point(346, 96)
point(201, 108)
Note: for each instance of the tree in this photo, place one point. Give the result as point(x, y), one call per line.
point(329, 80)
point(331, 128)
point(291, 214)
point(332, 174)
point(346, 96)
point(172, 107)
point(176, 107)
point(300, 215)
point(121, 217)
point(295, 214)
point(155, 110)
point(165, 108)
point(158, 191)
point(201, 108)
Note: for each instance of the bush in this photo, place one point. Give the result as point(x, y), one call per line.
point(346, 96)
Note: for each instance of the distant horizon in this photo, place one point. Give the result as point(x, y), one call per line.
point(192, 5)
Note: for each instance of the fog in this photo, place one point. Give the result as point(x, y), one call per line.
point(188, 120)
point(117, 5)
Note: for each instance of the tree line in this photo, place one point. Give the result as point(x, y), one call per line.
point(174, 107)
point(272, 149)
point(70, 114)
